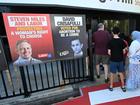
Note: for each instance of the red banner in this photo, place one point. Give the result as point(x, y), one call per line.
point(33, 28)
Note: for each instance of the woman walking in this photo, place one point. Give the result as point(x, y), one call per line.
point(133, 79)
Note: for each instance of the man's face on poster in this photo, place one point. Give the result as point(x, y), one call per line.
point(76, 46)
point(24, 50)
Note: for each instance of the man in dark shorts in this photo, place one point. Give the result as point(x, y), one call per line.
point(116, 50)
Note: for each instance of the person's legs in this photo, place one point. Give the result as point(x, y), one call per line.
point(106, 73)
point(122, 82)
point(121, 74)
point(124, 74)
point(98, 70)
point(97, 58)
point(106, 70)
point(112, 72)
point(105, 60)
point(111, 79)
point(121, 78)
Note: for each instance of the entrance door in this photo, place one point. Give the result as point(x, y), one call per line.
point(122, 24)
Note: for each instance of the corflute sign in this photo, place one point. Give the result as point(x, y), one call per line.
point(132, 6)
point(34, 38)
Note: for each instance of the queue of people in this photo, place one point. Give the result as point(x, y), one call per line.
point(112, 50)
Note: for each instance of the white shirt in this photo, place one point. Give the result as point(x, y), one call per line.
point(22, 61)
point(134, 50)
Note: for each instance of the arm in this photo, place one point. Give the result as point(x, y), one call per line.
point(125, 50)
point(109, 52)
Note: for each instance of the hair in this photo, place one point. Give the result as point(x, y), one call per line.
point(21, 41)
point(100, 25)
point(123, 36)
point(76, 39)
point(116, 30)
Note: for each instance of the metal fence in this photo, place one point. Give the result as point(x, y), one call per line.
point(25, 80)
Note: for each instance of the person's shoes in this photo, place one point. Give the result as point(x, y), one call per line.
point(110, 88)
point(106, 80)
point(98, 76)
point(123, 89)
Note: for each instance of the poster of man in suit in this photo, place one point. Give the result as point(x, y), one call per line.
point(69, 33)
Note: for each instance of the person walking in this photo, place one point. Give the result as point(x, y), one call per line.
point(100, 40)
point(133, 79)
point(125, 57)
point(116, 50)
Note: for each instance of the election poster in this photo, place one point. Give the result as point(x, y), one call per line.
point(29, 37)
point(69, 35)
point(3, 63)
point(34, 38)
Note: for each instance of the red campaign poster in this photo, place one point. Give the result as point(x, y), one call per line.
point(29, 35)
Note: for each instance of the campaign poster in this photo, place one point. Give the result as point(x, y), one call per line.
point(69, 35)
point(33, 28)
point(3, 63)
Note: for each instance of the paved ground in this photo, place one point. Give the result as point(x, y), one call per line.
point(51, 96)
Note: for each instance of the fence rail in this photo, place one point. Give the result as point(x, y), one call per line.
point(25, 80)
